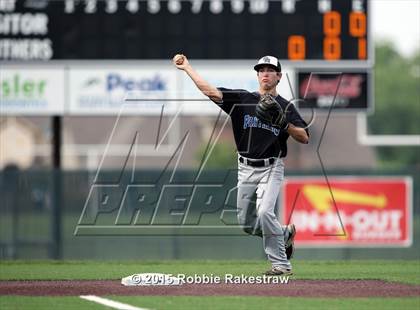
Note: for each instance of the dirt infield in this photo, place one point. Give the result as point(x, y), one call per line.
point(295, 288)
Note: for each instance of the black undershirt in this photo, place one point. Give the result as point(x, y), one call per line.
point(254, 138)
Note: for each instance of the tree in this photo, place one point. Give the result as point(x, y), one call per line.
point(222, 156)
point(397, 103)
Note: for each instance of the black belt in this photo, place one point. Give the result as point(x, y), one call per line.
point(257, 162)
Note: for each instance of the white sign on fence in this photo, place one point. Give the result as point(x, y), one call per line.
point(31, 91)
point(104, 91)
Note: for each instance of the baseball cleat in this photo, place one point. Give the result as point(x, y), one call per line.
point(278, 271)
point(290, 242)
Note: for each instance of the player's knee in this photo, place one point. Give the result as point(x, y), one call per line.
point(266, 215)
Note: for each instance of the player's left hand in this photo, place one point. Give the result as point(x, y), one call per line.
point(269, 111)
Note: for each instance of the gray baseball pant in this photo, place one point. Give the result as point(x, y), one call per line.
point(262, 218)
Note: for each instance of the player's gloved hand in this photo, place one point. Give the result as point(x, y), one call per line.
point(269, 111)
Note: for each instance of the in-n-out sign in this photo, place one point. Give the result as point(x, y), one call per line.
point(363, 211)
point(361, 220)
point(364, 220)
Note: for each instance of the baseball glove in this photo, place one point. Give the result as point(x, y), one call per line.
point(269, 111)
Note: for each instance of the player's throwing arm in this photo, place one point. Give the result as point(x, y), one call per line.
point(181, 62)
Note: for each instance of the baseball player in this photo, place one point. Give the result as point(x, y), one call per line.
point(262, 121)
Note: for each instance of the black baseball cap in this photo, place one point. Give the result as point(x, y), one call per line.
point(268, 61)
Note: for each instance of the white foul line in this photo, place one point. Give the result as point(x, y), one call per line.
point(110, 303)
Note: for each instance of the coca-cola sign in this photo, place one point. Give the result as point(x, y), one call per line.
point(339, 90)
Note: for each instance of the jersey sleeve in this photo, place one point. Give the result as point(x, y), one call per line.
point(230, 98)
point(294, 117)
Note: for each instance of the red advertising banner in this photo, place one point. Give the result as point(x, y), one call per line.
point(362, 211)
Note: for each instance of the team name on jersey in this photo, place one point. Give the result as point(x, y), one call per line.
point(253, 121)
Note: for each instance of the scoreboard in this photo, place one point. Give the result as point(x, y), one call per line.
point(97, 51)
point(297, 30)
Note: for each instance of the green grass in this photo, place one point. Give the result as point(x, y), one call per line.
point(275, 303)
point(35, 303)
point(400, 271)
point(202, 303)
